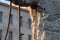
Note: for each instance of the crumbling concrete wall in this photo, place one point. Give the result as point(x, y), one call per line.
point(50, 21)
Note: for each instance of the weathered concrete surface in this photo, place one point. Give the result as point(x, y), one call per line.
point(50, 21)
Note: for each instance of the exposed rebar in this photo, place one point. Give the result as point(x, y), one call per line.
point(8, 21)
point(19, 22)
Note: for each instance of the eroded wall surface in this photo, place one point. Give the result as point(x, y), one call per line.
point(50, 20)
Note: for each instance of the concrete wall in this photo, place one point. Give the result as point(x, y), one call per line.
point(14, 27)
point(50, 21)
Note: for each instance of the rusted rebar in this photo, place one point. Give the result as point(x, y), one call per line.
point(19, 22)
point(32, 20)
point(8, 21)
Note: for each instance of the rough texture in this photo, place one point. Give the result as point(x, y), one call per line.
point(50, 21)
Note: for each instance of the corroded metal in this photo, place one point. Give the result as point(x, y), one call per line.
point(33, 3)
point(19, 23)
point(35, 18)
point(23, 2)
point(8, 22)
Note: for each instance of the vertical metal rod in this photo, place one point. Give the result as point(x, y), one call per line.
point(8, 21)
point(32, 25)
point(19, 22)
point(32, 19)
